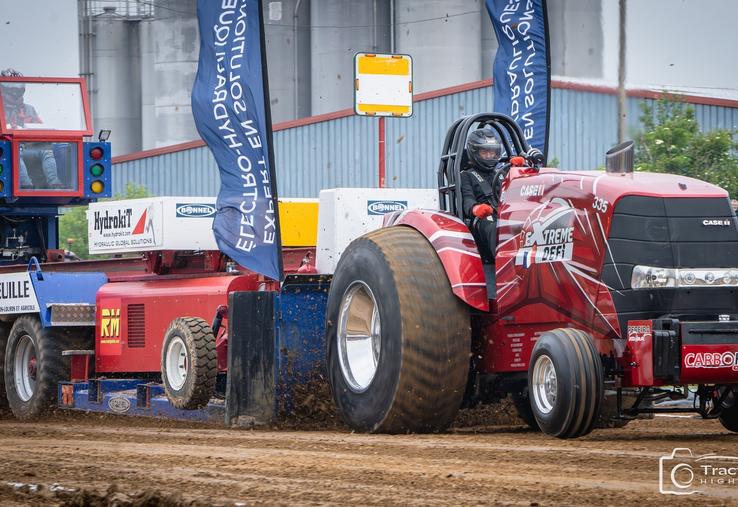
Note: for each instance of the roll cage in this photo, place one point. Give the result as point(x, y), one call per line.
point(454, 159)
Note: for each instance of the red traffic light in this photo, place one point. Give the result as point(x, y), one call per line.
point(96, 153)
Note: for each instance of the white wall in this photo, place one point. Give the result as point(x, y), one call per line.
point(40, 37)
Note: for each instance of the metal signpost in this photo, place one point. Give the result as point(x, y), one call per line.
point(383, 86)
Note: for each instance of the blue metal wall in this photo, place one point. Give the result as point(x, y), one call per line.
point(343, 152)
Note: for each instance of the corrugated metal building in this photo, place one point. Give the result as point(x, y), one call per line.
point(340, 149)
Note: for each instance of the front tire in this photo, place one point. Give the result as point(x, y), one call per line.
point(398, 339)
point(34, 366)
point(566, 384)
point(189, 365)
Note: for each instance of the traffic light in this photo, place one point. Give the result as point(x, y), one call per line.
point(6, 169)
point(98, 181)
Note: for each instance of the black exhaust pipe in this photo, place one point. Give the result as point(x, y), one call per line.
point(619, 159)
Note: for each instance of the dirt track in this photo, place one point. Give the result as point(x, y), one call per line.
point(491, 465)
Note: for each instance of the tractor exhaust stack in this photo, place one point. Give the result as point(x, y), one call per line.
point(619, 159)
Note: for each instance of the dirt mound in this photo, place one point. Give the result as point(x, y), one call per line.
point(38, 494)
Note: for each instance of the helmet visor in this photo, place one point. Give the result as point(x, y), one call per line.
point(489, 153)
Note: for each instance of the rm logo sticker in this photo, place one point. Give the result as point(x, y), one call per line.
point(110, 323)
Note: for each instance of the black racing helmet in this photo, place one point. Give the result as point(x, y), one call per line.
point(484, 148)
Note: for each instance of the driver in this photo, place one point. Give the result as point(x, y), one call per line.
point(480, 197)
point(17, 114)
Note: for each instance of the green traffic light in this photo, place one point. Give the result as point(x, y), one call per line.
point(97, 170)
point(1, 168)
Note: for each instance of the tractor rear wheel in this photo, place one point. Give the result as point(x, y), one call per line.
point(34, 366)
point(398, 339)
point(566, 384)
point(189, 365)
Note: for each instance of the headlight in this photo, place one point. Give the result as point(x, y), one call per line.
point(647, 277)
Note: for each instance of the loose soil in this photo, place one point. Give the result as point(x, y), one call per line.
point(89, 460)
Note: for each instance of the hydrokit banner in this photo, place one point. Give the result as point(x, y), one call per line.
point(230, 104)
point(522, 71)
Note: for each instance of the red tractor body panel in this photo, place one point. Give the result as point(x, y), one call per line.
point(133, 316)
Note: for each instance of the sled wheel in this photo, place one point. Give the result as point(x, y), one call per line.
point(34, 367)
point(189, 365)
point(565, 382)
point(398, 339)
point(524, 410)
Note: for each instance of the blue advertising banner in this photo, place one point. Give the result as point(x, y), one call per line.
point(230, 105)
point(522, 70)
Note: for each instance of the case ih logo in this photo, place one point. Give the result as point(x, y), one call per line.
point(549, 238)
point(119, 221)
point(712, 360)
point(716, 222)
point(195, 210)
point(384, 207)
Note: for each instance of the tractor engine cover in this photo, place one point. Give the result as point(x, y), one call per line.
point(132, 316)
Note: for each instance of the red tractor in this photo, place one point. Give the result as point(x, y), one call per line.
point(603, 282)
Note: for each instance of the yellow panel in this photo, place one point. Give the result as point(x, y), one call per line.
point(387, 66)
point(383, 108)
point(298, 219)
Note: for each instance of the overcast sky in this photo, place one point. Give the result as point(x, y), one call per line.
point(39, 37)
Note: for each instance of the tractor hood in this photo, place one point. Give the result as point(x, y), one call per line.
point(649, 184)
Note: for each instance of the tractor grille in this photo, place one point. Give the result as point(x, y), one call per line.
point(670, 233)
point(136, 326)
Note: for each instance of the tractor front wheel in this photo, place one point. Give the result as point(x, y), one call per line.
point(398, 339)
point(189, 365)
point(566, 384)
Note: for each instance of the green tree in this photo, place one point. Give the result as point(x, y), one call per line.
point(73, 222)
point(673, 143)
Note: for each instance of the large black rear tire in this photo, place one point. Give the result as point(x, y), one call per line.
point(34, 366)
point(189, 364)
point(565, 382)
point(390, 288)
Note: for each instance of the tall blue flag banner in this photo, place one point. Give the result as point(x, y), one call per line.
point(230, 103)
point(522, 69)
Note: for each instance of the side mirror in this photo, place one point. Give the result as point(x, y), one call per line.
point(619, 159)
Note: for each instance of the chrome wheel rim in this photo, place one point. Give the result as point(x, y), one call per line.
point(25, 368)
point(177, 364)
point(359, 336)
point(544, 384)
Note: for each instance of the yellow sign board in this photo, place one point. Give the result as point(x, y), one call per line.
point(383, 85)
